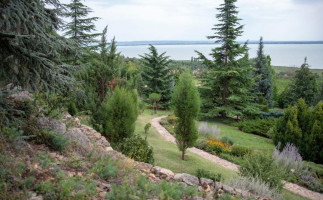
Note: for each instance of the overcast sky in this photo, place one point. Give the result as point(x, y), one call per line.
point(137, 20)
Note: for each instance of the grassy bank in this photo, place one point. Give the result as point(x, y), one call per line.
point(167, 155)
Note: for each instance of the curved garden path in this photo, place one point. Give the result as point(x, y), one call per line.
point(229, 165)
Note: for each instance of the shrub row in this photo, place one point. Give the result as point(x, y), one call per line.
point(260, 127)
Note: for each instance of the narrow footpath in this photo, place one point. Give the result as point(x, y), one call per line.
point(229, 165)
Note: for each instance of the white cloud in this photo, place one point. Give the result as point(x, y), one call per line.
point(131, 20)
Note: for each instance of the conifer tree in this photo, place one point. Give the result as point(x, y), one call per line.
point(304, 85)
point(263, 71)
point(31, 50)
point(156, 75)
point(80, 27)
point(186, 103)
point(121, 114)
point(227, 86)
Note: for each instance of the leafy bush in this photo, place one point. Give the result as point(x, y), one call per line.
point(105, 168)
point(172, 119)
point(240, 151)
point(73, 188)
point(54, 141)
point(264, 168)
point(201, 144)
point(202, 173)
point(308, 179)
point(72, 108)
point(288, 158)
point(140, 188)
point(258, 126)
point(208, 130)
point(303, 127)
point(255, 186)
point(227, 140)
point(138, 149)
point(121, 115)
point(147, 127)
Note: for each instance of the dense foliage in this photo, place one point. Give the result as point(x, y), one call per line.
point(186, 104)
point(120, 115)
point(263, 71)
point(303, 127)
point(30, 47)
point(156, 75)
point(303, 85)
point(226, 88)
point(264, 168)
point(138, 149)
point(262, 127)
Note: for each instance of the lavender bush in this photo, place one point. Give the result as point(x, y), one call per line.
point(254, 186)
point(208, 130)
point(289, 158)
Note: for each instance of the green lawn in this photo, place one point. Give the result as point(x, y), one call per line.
point(244, 139)
point(167, 155)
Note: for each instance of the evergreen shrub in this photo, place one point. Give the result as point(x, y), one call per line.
point(257, 126)
point(303, 127)
point(138, 149)
point(121, 114)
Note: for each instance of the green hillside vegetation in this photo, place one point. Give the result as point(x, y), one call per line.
point(266, 119)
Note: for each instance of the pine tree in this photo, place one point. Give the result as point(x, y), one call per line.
point(227, 86)
point(30, 47)
point(263, 71)
point(80, 27)
point(156, 75)
point(186, 103)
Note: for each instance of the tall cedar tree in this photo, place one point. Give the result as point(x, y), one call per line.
point(30, 48)
point(80, 27)
point(156, 75)
point(263, 71)
point(186, 103)
point(226, 89)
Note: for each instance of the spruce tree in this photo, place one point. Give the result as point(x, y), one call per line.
point(156, 75)
point(263, 71)
point(304, 85)
point(31, 50)
point(80, 27)
point(186, 103)
point(228, 83)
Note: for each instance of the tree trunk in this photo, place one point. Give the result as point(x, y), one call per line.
point(183, 154)
point(224, 97)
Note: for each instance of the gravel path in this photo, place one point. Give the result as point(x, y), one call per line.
point(226, 164)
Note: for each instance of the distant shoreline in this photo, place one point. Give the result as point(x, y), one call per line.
point(144, 43)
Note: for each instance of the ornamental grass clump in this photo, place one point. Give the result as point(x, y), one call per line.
point(288, 158)
point(208, 130)
point(255, 186)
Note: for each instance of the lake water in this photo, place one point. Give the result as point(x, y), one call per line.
point(290, 55)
